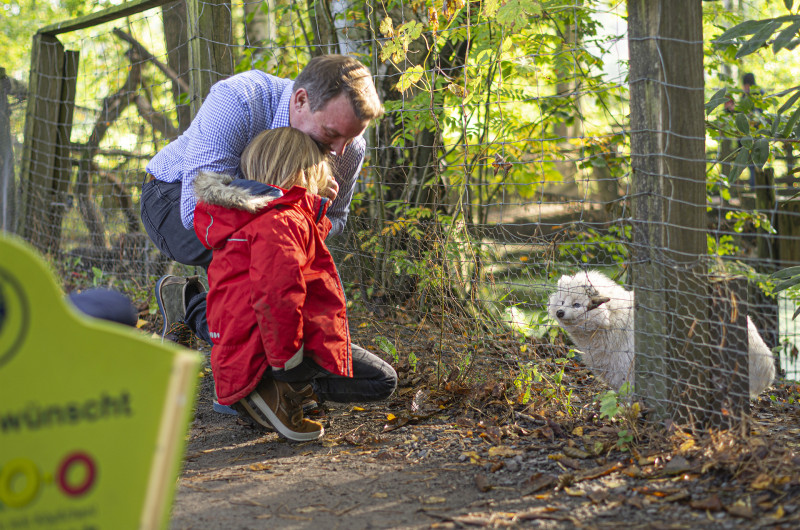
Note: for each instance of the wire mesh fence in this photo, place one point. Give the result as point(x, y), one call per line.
point(504, 161)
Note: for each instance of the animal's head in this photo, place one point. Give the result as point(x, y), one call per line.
point(575, 300)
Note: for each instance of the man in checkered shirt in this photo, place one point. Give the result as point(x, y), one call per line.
point(333, 100)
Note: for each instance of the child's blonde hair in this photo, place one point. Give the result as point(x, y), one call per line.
point(286, 157)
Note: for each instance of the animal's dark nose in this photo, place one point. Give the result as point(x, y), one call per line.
point(560, 313)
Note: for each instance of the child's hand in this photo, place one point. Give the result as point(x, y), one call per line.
point(332, 189)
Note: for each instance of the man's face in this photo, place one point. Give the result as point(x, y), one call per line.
point(333, 126)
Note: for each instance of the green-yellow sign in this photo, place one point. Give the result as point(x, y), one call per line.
point(93, 415)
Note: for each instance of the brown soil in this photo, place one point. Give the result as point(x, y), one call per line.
point(466, 453)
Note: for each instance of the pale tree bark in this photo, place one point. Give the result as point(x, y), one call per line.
point(7, 184)
point(345, 30)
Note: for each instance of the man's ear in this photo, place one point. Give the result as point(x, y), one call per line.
point(597, 301)
point(300, 98)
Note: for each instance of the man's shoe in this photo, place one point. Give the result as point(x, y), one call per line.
point(172, 295)
point(277, 405)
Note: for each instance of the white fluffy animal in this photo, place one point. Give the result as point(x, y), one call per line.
point(597, 313)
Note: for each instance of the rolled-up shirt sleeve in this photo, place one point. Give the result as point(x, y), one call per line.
point(346, 169)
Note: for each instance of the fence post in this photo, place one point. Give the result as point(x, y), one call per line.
point(41, 135)
point(669, 202)
point(728, 376)
point(7, 184)
point(210, 46)
point(62, 169)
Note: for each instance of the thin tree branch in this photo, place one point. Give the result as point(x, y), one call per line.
point(147, 56)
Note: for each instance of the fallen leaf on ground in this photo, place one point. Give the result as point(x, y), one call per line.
point(677, 465)
point(740, 509)
point(420, 401)
point(761, 482)
point(474, 457)
point(599, 496)
point(677, 496)
point(538, 482)
point(574, 492)
point(433, 500)
point(482, 483)
point(598, 472)
point(574, 452)
point(710, 503)
point(503, 451)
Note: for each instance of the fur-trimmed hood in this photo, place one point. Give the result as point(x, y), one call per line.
point(226, 204)
point(238, 194)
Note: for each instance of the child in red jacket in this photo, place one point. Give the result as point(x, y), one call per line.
point(276, 307)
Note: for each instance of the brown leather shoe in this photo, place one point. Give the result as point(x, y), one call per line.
point(277, 406)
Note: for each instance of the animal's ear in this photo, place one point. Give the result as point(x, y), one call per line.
point(597, 301)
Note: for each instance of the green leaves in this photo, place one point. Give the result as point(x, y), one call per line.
point(760, 152)
point(512, 11)
point(790, 277)
point(785, 37)
point(400, 39)
point(409, 77)
point(761, 31)
point(742, 157)
point(719, 97)
point(742, 123)
point(758, 39)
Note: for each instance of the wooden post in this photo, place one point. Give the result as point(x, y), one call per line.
point(62, 169)
point(766, 312)
point(728, 376)
point(41, 137)
point(7, 184)
point(210, 46)
point(669, 202)
point(765, 204)
point(789, 232)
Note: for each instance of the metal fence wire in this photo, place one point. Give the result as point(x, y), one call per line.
point(507, 158)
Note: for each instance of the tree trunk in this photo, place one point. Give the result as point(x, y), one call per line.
point(567, 87)
point(7, 184)
point(325, 37)
point(669, 218)
point(175, 37)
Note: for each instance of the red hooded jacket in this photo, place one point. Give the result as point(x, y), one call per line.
point(274, 294)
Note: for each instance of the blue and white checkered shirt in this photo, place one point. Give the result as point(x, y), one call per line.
point(236, 110)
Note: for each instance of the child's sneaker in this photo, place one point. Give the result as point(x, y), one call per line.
point(277, 406)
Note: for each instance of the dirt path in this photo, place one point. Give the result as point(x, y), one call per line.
point(449, 471)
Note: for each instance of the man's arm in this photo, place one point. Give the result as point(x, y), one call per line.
point(217, 137)
point(346, 170)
